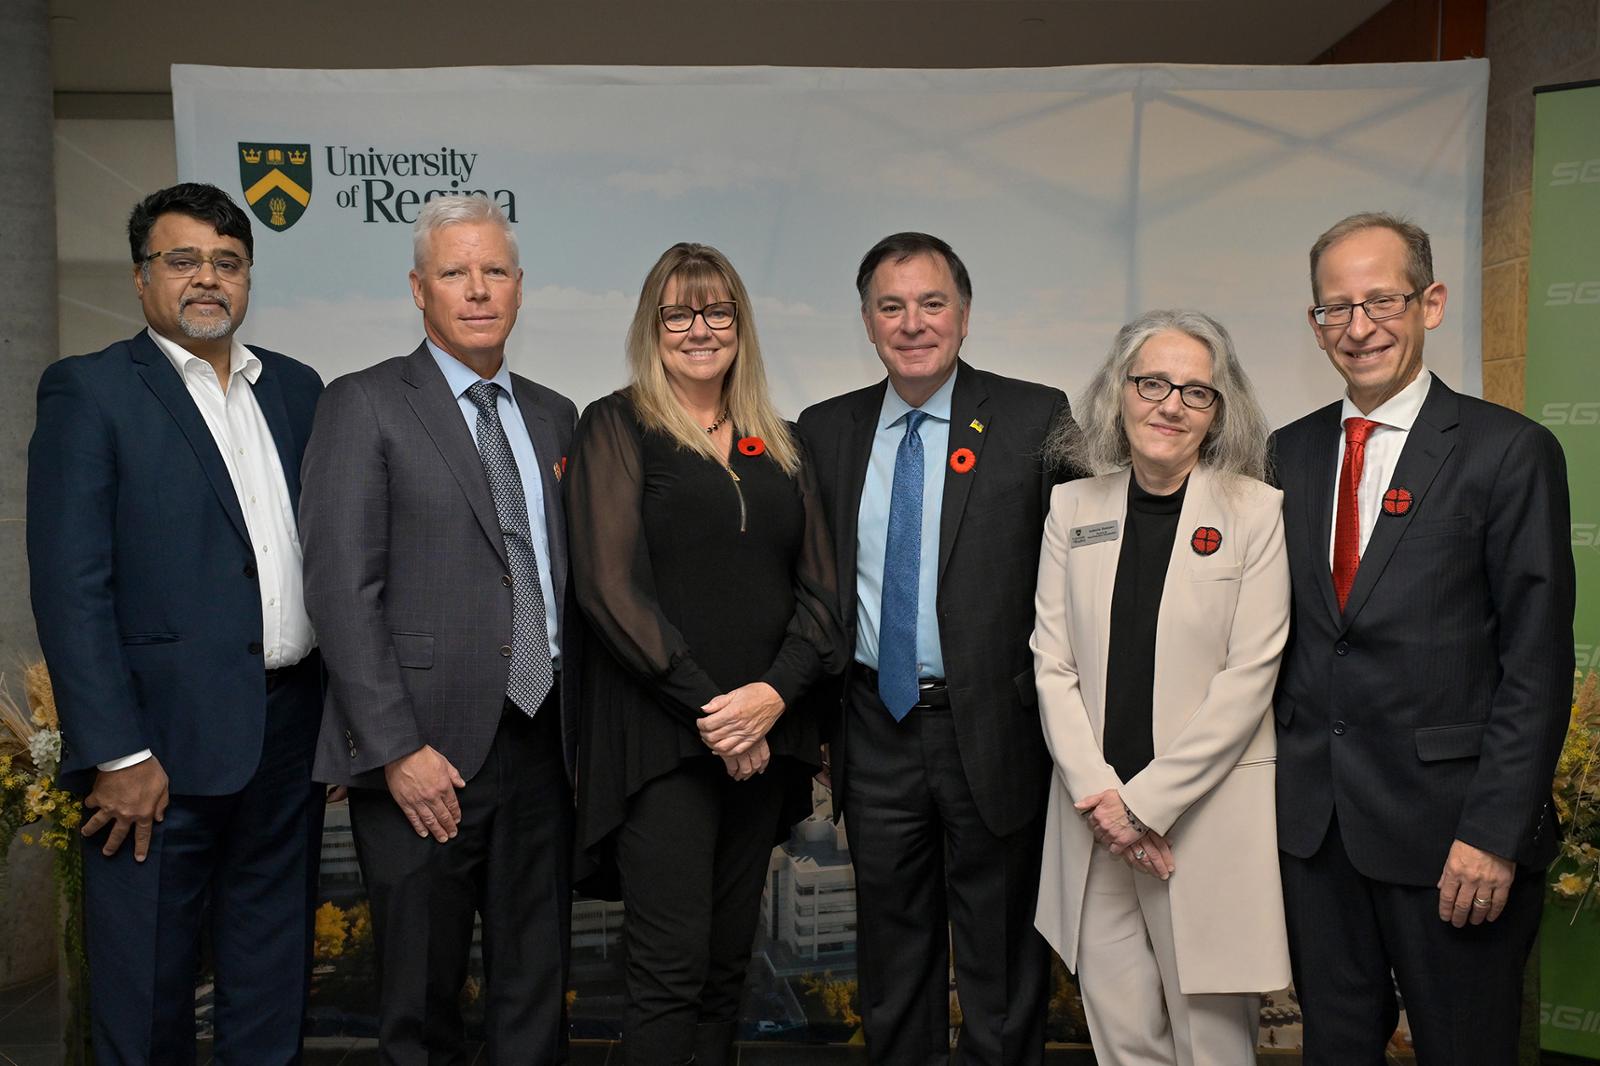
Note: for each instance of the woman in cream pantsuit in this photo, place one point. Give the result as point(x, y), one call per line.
point(1163, 607)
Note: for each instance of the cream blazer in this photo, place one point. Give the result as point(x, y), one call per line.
point(1224, 619)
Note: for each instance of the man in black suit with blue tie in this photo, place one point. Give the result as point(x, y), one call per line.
point(1425, 690)
point(936, 493)
point(163, 481)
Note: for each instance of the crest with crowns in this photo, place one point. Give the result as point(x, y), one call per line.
point(276, 179)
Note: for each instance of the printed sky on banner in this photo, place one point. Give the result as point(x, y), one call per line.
point(1077, 197)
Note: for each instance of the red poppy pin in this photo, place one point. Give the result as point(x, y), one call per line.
point(1397, 501)
point(752, 446)
point(558, 469)
point(1206, 540)
point(962, 460)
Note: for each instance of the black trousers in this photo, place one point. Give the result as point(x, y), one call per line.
point(693, 854)
point(510, 863)
point(925, 861)
point(1462, 987)
point(249, 861)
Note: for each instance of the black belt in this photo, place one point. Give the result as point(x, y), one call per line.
point(279, 675)
point(932, 692)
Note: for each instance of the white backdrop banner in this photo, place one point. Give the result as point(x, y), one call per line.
point(1077, 196)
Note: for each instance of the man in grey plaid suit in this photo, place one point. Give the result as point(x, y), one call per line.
point(436, 572)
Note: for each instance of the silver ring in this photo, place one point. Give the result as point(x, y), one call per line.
point(1138, 853)
point(1479, 902)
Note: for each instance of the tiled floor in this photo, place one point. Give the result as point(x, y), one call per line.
point(29, 1037)
point(29, 1032)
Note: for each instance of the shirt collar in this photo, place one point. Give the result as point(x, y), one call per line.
point(461, 377)
point(1400, 410)
point(241, 360)
point(936, 406)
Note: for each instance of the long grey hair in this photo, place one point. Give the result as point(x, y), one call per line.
point(1237, 440)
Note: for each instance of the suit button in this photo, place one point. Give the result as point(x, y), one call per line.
point(505, 651)
point(255, 647)
point(506, 581)
point(249, 569)
point(1341, 648)
point(1338, 728)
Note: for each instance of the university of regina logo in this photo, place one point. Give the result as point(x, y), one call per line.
point(276, 179)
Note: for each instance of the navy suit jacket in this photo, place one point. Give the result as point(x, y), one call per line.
point(1432, 708)
point(142, 572)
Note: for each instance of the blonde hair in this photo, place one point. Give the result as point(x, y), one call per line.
point(704, 274)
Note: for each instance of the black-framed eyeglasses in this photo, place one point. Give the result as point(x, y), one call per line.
point(182, 263)
point(1194, 396)
point(1378, 308)
point(677, 318)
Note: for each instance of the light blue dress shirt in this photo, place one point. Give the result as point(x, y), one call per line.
point(872, 525)
point(460, 378)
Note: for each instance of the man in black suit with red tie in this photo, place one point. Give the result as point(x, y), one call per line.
point(936, 494)
point(1424, 694)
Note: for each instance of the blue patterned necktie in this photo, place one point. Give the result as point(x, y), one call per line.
point(902, 567)
point(532, 674)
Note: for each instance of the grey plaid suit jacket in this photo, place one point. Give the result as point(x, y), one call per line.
point(405, 570)
point(990, 530)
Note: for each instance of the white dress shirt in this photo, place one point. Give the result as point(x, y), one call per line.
point(251, 456)
point(1395, 417)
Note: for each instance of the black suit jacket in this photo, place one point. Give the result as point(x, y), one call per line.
point(143, 575)
point(406, 572)
point(1434, 707)
point(990, 530)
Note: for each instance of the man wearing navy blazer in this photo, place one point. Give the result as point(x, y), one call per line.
point(163, 482)
point(1424, 693)
point(436, 573)
point(936, 492)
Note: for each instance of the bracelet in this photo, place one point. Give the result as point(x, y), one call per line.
point(1133, 821)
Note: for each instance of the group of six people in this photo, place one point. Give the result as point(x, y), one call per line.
point(1199, 706)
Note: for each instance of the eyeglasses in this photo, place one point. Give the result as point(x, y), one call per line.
point(186, 264)
point(677, 318)
point(1196, 397)
point(1378, 308)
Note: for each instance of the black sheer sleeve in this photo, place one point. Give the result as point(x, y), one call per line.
point(812, 647)
point(611, 562)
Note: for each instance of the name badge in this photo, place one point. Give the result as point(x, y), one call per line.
point(1083, 536)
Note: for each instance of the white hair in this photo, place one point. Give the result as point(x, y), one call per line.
point(442, 211)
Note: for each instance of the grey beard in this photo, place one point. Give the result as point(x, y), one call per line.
point(209, 330)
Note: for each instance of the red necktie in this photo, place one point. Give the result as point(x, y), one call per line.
point(1347, 527)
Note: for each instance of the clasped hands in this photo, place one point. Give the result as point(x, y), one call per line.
point(1141, 847)
point(735, 727)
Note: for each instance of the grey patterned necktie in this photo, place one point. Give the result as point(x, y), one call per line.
point(532, 673)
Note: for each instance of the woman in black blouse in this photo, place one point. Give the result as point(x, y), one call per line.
point(702, 566)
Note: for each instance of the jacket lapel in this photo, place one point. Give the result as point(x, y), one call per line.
point(967, 405)
point(441, 418)
point(547, 446)
point(160, 377)
point(1319, 481)
point(269, 397)
point(854, 458)
point(1428, 445)
point(1110, 505)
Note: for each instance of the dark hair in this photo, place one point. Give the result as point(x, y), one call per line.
point(1419, 251)
point(206, 203)
point(902, 246)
